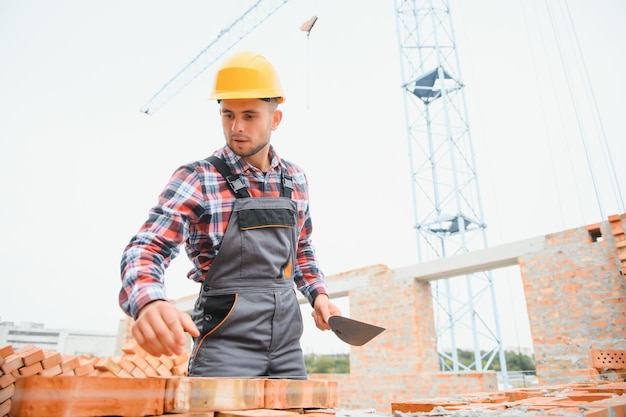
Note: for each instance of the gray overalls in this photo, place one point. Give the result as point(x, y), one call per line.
point(247, 311)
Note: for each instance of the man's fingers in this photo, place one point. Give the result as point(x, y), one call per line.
point(160, 329)
point(175, 328)
point(323, 310)
point(162, 339)
point(188, 325)
point(147, 340)
point(320, 323)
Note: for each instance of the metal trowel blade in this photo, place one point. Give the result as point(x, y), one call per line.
point(353, 332)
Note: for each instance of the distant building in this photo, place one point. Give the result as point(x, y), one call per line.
point(68, 342)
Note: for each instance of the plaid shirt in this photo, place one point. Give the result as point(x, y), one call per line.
point(194, 209)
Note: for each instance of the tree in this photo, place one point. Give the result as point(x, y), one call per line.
point(327, 364)
point(514, 361)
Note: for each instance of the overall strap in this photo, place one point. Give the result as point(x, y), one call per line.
point(287, 183)
point(237, 185)
point(235, 182)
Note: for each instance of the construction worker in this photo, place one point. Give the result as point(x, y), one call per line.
point(243, 217)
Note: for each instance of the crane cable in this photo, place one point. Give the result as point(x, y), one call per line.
point(574, 101)
point(581, 128)
point(606, 148)
point(543, 111)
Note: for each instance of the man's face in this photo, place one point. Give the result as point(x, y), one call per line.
point(248, 125)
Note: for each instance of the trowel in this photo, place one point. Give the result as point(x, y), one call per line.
point(353, 332)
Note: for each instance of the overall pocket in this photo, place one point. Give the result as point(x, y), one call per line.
point(217, 308)
point(267, 237)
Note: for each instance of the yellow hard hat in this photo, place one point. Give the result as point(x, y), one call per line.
point(246, 75)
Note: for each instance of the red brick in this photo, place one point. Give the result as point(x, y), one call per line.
point(30, 354)
point(285, 393)
point(6, 393)
point(6, 380)
point(51, 359)
point(12, 362)
point(195, 394)
point(55, 396)
point(6, 351)
point(5, 408)
point(69, 363)
point(30, 370)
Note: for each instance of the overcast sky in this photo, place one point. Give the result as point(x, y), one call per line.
point(80, 165)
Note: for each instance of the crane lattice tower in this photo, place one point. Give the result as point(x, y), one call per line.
point(447, 204)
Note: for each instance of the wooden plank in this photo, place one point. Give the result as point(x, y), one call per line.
point(289, 393)
point(75, 396)
point(196, 394)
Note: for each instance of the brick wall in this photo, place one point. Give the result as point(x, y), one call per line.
point(401, 364)
point(404, 307)
point(576, 296)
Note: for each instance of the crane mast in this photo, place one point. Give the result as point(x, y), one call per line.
point(447, 205)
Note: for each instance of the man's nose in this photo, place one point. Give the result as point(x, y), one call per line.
point(237, 125)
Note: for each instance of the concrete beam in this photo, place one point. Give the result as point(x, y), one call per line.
point(471, 262)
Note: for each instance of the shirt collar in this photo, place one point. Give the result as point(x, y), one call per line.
point(239, 166)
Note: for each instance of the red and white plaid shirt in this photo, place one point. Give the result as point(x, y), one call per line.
point(194, 209)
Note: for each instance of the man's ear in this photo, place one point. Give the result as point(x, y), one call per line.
point(277, 116)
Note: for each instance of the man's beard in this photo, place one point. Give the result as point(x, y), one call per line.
point(252, 152)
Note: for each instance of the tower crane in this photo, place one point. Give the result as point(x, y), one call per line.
point(447, 204)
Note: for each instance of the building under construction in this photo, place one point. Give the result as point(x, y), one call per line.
point(573, 280)
point(574, 288)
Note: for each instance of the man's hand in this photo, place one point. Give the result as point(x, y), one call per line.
point(160, 329)
point(323, 309)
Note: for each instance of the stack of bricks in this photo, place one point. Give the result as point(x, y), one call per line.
point(35, 382)
point(7, 382)
point(588, 399)
point(31, 360)
point(137, 363)
point(134, 363)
